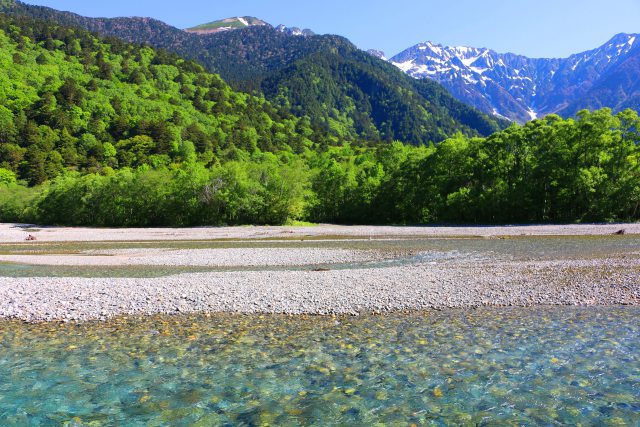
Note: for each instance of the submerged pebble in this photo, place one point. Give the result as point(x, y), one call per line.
point(282, 370)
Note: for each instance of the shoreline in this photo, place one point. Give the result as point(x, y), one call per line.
point(125, 318)
point(414, 273)
point(17, 233)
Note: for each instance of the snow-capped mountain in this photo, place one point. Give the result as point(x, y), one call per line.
point(295, 31)
point(521, 88)
point(227, 24)
point(237, 23)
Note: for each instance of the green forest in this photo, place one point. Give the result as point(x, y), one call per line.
point(344, 91)
point(101, 132)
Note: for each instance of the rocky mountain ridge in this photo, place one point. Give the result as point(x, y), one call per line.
point(521, 88)
point(227, 24)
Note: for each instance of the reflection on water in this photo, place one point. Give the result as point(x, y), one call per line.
point(551, 366)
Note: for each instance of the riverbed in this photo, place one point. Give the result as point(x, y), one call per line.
point(53, 279)
point(487, 366)
point(320, 325)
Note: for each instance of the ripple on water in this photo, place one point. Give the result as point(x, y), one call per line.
point(488, 366)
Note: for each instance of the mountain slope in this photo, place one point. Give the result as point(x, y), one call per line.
point(72, 101)
point(346, 85)
point(618, 89)
point(270, 61)
point(522, 88)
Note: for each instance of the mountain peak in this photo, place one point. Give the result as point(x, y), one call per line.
point(227, 24)
point(295, 31)
point(378, 54)
point(623, 37)
point(514, 86)
point(622, 42)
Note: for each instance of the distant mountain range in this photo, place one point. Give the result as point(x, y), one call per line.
point(511, 86)
point(340, 89)
point(355, 95)
point(521, 88)
point(238, 23)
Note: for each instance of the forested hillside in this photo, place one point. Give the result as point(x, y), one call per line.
point(342, 90)
point(104, 133)
point(69, 101)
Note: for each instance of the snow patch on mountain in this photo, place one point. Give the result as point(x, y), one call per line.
point(509, 85)
point(378, 54)
point(295, 31)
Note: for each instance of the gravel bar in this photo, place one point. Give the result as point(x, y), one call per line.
point(376, 290)
point(462, 281)
point(14, 233)
point(229, 257)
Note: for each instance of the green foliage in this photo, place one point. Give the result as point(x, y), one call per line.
point(17, 203)
point(105, 133)
point(343, 91)
point(262, 190)
point(549, 170)
point(7, 177)
point(78, 103)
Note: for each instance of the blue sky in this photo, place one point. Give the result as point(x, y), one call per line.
point(536, 28)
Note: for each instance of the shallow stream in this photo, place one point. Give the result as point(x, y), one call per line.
point(545, 366)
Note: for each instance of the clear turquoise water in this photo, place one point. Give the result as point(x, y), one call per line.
point(550, 366)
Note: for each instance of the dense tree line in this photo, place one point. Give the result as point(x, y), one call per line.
point(549, 170)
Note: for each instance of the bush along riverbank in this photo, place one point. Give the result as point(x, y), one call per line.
point(549, 170)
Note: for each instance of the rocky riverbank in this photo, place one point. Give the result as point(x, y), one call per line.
point(13, 233)
point(395, 271)
point(228, 257)
point(377, 290)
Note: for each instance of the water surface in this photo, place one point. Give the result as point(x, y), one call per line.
point(545, 366)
